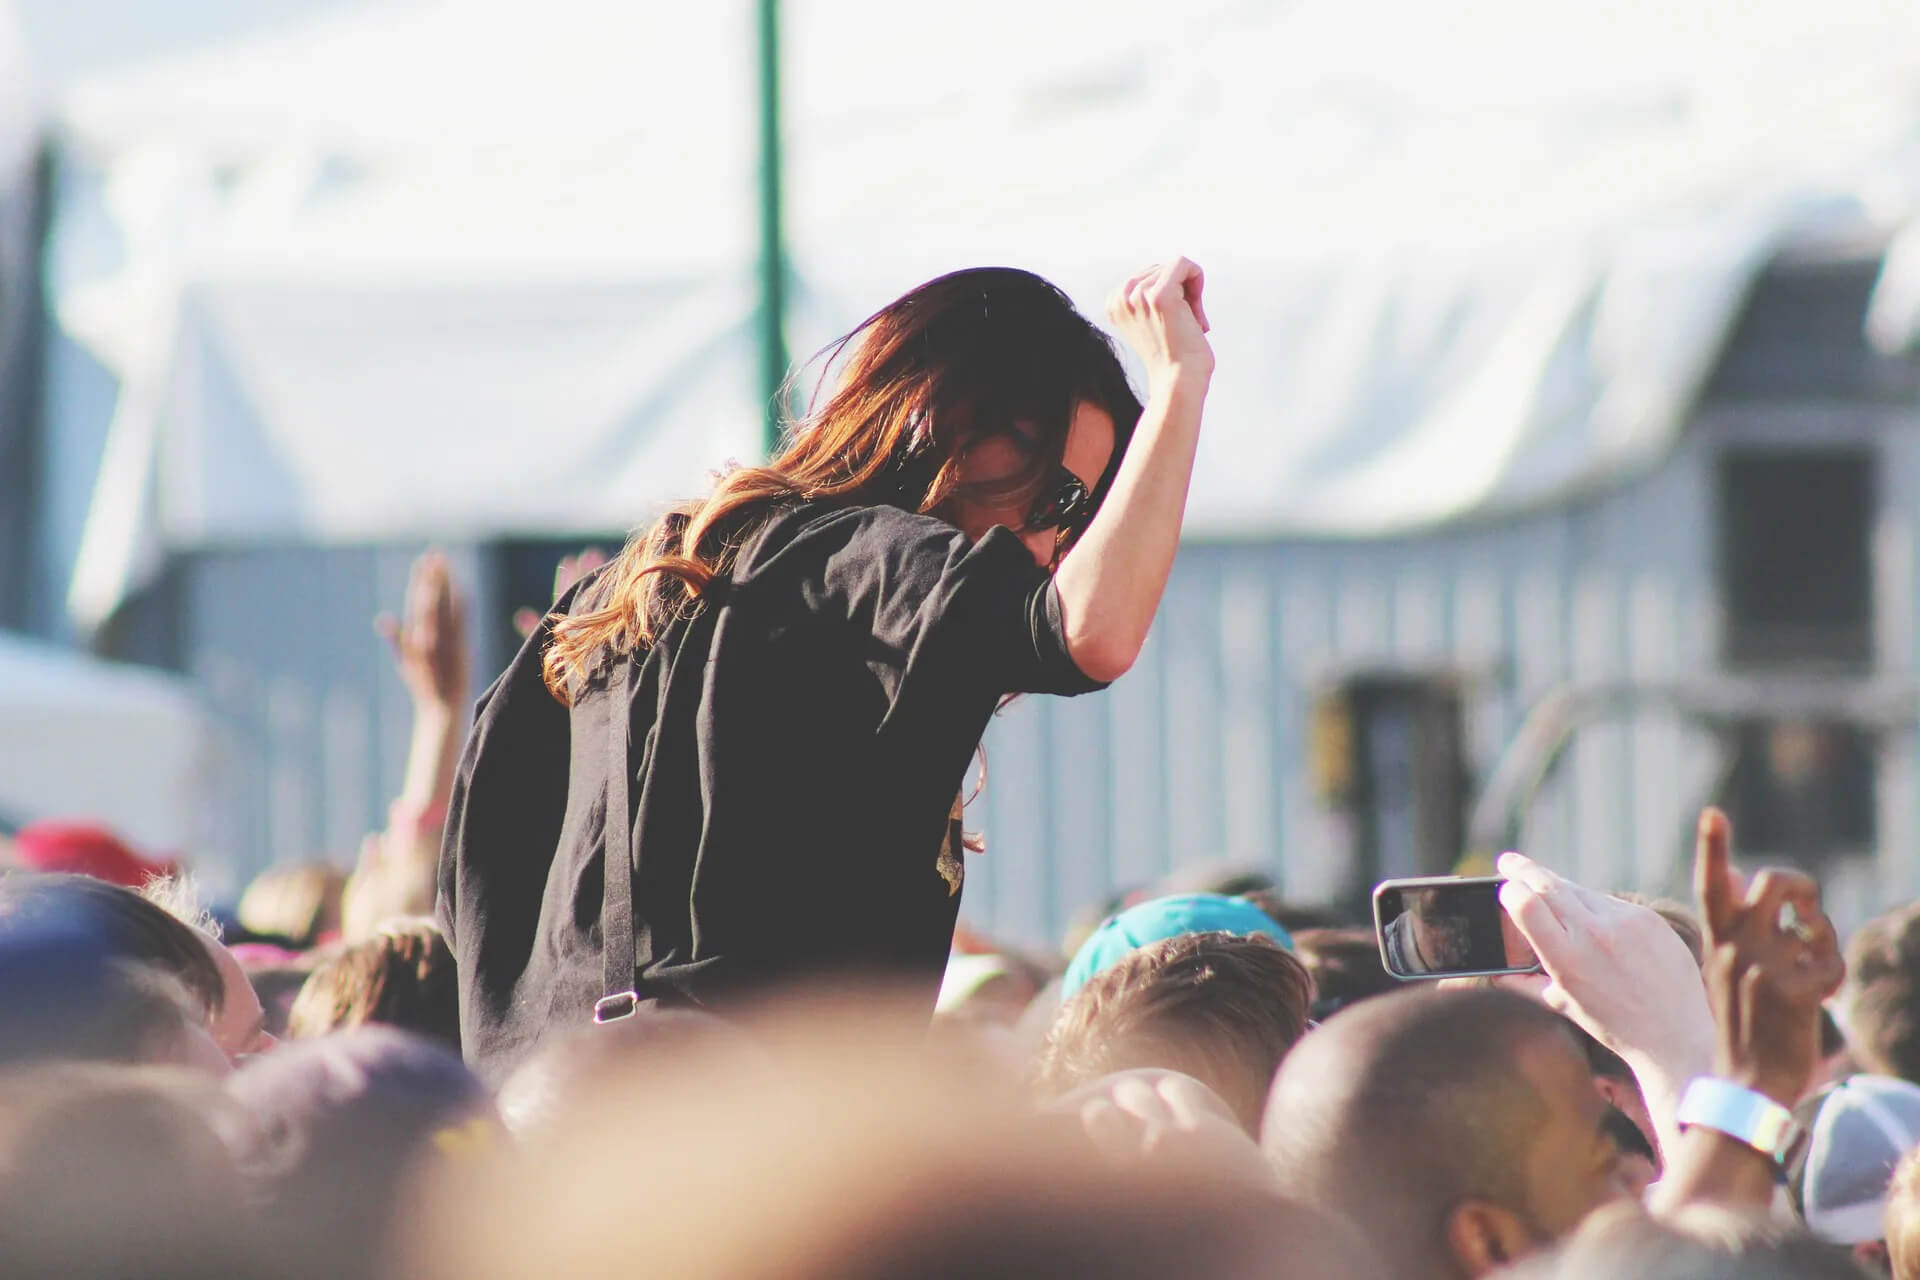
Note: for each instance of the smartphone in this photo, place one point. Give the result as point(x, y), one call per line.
point(1447, 927)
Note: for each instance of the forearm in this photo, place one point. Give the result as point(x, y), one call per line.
point(1663, 1078)
point(432, 756)
point(1708, 1167)
point(1111, 582)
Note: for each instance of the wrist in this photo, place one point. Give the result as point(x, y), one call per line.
point(416, 814)
point(1179, 387)
point(431, 711)
point(1781, 1087)
point(1662, 1079)
point(1742, 1113)
point(1782, 1082)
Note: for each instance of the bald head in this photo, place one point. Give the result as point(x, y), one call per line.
point(1403, 1108)
point(863, 1153)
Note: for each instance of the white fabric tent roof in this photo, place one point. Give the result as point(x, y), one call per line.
point(462, 267)
point(1463, 257)
point(435, 304)
point(125, 746)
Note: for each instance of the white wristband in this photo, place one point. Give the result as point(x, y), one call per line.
point(1741, 1114)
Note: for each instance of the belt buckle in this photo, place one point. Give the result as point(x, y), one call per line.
point(615, 1008)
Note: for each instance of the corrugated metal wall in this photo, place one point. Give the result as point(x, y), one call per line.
point(1199, 752)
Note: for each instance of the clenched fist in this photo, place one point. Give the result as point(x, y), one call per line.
point(1159, 313)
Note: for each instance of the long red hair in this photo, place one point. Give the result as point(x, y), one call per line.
point(991, 351)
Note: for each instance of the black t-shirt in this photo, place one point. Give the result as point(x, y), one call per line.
point(797, 747)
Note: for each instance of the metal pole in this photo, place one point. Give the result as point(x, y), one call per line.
point(773, 264)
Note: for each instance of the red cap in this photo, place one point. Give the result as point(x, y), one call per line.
point(87, 849)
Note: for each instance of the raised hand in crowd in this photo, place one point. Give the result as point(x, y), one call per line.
point(1772, 960)
point(429, 638)
point(395, 872)
point(569, 571)
point(1618, 970)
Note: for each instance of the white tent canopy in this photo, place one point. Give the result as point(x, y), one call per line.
point(461, 266)
point(1461, 257)
point(436, 303)
point(120, 745)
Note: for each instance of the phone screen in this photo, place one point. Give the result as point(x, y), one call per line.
point(1445, 928)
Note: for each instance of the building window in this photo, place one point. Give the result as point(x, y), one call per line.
point(1795, 572)
point(1388, 753)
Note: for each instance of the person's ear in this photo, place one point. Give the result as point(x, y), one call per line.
point(1611, 1091)
point(1483, 1238)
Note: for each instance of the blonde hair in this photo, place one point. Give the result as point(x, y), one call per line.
point(179, 896)
point(299, 903)
point(1902, 1226)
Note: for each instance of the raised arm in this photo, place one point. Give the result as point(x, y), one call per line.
point(1110, 583)
point(396, 870)
point(1619, 971)
point(1772, 959)
point(430, 648)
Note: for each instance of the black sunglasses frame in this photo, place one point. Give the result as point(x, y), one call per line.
point(1067, 509)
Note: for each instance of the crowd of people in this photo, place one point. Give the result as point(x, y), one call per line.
point(1205, 1079)
point(422, 1068)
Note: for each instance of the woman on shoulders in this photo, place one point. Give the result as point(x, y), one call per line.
point(767, 704)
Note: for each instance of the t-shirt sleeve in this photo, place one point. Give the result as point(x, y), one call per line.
point(980, 614)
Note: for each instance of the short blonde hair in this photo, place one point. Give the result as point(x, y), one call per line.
point(1902, 1224)
point(179, 896)
point(300, 903)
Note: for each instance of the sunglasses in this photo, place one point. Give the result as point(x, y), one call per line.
point(1067, 507)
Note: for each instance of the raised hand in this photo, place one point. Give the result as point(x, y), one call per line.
point(1111, 581)
point(1772, 958)
point(1617, 968)
point(1160, 314)
point(430, 640)
point(1619, 971)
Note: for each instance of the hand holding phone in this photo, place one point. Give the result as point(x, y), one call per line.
point(1448, 927)
point(1621, 973)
